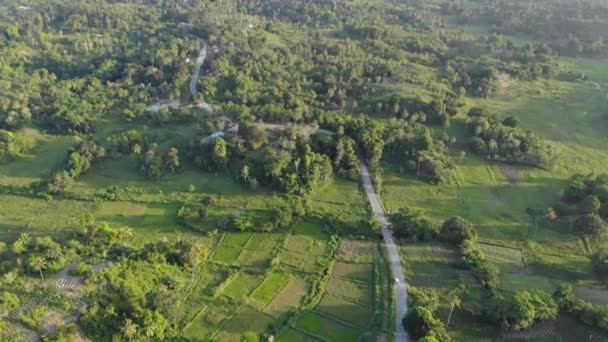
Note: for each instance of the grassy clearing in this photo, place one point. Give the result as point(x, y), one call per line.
point(38, 217)
point(359, 272)
point(289, 297)
point(271, 285)
point(344, 310)
point(47, 152)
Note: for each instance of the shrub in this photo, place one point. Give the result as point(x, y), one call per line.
point(420, 322)
point(456, 230)
point(599, 260)
point(412, 223)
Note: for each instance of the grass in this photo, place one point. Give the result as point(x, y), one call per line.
point(357, 292)
point(289, 297)
point(242, 285)
point(429, 266)
point(495, 197)
point(271, 285)
point(247, 319)
point(344, 310)
point(38, 217)
point(358, 272)
point(48, 151)
point(231, 247)
point(227, 255)
point(209, 319)
point(293, 335)
point(312, 230)
point(357, 249)
point(327, 328)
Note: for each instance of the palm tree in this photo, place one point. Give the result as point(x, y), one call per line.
point(38, 263)
point(455, 303)
point(129, 329)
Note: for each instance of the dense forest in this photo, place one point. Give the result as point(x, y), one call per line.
point(286, 101)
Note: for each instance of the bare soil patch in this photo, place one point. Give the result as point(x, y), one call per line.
point(592, 295)
point(510, 173)
point(351, 249)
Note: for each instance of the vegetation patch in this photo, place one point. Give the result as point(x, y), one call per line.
point(242, 285)
point(327, 328)
point(358, 272)
point(288, 298)
point(246, 320)
point(354, 291)
point(357, 249)
point(272, 284)
point(344, 310)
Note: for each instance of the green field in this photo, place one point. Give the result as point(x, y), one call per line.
point(272, 284)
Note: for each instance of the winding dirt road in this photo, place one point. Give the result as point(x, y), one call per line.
point(393, 254)
point(196, 74)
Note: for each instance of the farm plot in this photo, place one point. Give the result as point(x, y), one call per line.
point(272, 284)
point(429, 266)
point(290, 297)
point(345, 311)
point(359, 272)
point(247, 319)
point(306, 248)
point(357, 292)
point(231, 247)
point(207, 281)
point(293, 335)
point(204, 325)
point(316, 257)
point(327, 328)
point(355, 249)
point(242, 285)
point(258, 252)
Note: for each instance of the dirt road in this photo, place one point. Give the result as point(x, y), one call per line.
point(393, 254)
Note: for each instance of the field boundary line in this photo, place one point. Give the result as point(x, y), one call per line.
point(523, 250)
point(224, 321)
point(244, 248)
point(326, 315)
point(311, 245)
point(356, 281)
point(276, 294)
point(308, 333)
point(350, 300)
point(219, 243)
